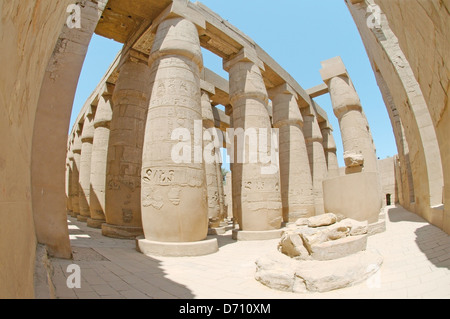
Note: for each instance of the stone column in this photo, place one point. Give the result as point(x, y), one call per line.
point(229, 195)
point(102, 122)
point(174, 196)
point(219, 176)
point(210, 158)
point(75, 184)
point(296, 182)
point(329, 146)
point(357, 194)
point(123, 185)
point(256, 185)
point(318, 164)
point(87, 139)
point(69, 172)
point(359, 152)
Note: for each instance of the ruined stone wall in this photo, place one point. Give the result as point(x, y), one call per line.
point(28, 32)
point(423, 32)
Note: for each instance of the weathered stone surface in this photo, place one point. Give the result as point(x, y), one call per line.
point(280, 272)
point(322, 276)
point(356, 227)
point(291, 244)
point(339, 248)
point(276, 271)
point(339, 239)
point(353, 159)
point(322, 220)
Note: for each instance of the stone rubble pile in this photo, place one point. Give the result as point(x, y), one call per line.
point(319, 254)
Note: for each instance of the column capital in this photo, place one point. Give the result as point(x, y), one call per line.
point(282, 89)
point(311, 129)
point(179, 9)
point(177, 36)
point(285, 107)
point(329, 144)
point(245, 55)
point(207, 114)
point(87, 134)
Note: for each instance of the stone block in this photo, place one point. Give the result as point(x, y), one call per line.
point(322, 220)
point(335, 249)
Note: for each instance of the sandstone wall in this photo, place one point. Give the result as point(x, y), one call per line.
point(411, 118)
point(423, 32)
point(28, 31)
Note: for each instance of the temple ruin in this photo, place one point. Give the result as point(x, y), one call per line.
point(142, 161)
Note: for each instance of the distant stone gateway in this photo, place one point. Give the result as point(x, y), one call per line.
point(143, 160)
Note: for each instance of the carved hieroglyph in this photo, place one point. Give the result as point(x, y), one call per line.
point(102, 122)
point(256, 186)
point(295, 175)
point(123, 195)
point(174, 198)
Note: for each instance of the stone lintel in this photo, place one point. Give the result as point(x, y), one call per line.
point(318, 90)
point(180, 9)
point(207, 87)
point(245, 55)
point(332, 68)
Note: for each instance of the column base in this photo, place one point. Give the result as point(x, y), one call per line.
point(74, 214)
point(95, 223)
point(122, 232)
point(82, 218)
point(174, 249)
point(256, 235)
point(217, 231)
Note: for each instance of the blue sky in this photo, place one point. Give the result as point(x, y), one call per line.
point(298, 34)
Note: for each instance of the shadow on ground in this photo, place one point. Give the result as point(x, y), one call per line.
point(111, 269)
point(431, 240)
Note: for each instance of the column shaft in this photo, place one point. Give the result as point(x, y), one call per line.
point(211, 165)
point(174, 197)
point(256, 185)
point(318, 164)
point(102, 123)
point(123, 194)
point(87, 139)
point(295, 174)
point(75, 184)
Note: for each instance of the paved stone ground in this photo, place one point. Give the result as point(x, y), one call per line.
point(416, 265)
